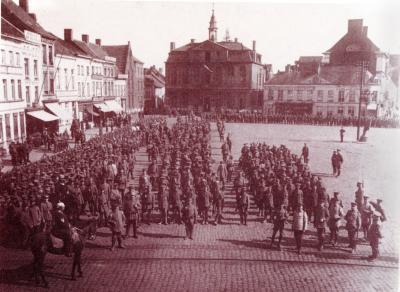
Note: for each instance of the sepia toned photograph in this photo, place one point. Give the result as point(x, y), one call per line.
point(199, 146)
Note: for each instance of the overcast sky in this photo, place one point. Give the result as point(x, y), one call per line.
point(283, 31)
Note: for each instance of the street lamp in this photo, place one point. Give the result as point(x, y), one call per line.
point(363, 66)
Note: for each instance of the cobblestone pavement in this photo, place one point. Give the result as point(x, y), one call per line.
point(228, 257)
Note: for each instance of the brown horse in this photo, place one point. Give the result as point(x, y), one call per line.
point(41, 243)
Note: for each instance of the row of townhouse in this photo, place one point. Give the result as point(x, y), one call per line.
point(47, 81)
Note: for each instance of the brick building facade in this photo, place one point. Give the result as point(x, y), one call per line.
point(212, 75)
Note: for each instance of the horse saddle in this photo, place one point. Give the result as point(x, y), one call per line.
point(56, 242)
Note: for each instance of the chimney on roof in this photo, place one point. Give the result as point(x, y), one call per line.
point(254, 45)
point(192, 41)
point(365, 30)
point(85, 38)
point(287, 68)
point(98, 42)
point(24, 4)
point(33, 15)
point(355, 26)
point(160, 70)
point(236, 40)
point(172, 46)
point(67, 34)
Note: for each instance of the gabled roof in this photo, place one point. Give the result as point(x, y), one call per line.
point(90, 49)
point(354, 38)
point(67, 48)
point(120, 53)
point(7, 29)
point(21, 19)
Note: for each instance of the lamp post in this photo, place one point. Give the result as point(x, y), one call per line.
point(363, 65)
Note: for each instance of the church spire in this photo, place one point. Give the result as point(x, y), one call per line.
point(212, 30)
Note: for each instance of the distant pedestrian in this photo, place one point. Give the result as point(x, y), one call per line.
point(339, 162)
point(374, 237)
point(300, 221)
point(342, 131)
point(334, 162)
point(305, 153)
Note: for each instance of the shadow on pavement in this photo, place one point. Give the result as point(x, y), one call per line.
point(158, 235)
point(252, 243)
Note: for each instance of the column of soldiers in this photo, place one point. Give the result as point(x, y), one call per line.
point(179, 178)
point(88, 179)
point(281, 184)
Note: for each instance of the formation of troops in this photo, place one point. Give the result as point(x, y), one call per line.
point(255, 117)
point(96, 179)
point(282, 185)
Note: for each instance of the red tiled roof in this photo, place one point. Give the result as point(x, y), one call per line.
point(21, 19)
point(120, 53)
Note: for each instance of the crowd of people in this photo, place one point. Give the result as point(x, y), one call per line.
point(256, 117)
point(90, 176)
point(95, 178)
point(282, 184)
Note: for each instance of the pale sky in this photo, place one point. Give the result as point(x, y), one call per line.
point(283, 30)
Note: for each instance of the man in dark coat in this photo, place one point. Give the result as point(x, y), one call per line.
point(244, 205)
point(189, 218)
point(61, 228)
point(353, 222)
point(320, 222)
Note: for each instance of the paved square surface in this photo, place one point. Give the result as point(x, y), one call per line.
point(232, 257)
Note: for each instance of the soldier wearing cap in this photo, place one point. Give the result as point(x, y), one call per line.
point(163, 203)
point(374, 237)
point(320, 221)
point(367, 211)
point(335, 215)
point(353, 222)
point(189, 217)
point(339, 158)
point(279, 218)
point(46, 208)
point(131, 210)
point(359, 194)
point(334, 162)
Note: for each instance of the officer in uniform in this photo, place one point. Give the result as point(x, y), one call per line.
point(189, 218)
point(320, 220)
point(244, 205)
point(374, 237)
point(279, 218)
point(353, 222)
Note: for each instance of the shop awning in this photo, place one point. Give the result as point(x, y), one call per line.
point(90, 111)
point(43, 116)
point(103, 107)
point(62, 113)
point(113, 105)
point(372, 107)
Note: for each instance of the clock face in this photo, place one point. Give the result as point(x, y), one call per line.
point(353, 48)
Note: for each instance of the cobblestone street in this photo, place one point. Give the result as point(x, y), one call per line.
point(227, 257)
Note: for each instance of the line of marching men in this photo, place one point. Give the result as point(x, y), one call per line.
point(281, 183)
point(180, 177)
